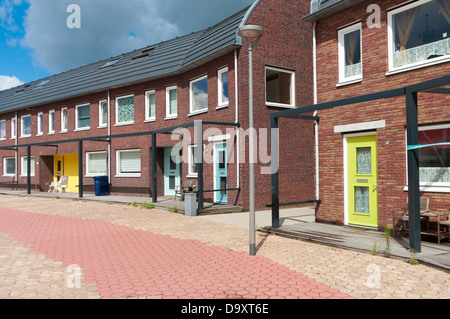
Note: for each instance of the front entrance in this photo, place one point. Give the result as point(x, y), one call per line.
point(66, 164)
point(172, 172)
point(220, 172)
point(362, 179)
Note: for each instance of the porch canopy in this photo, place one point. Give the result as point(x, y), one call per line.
point(198, 132)
point(410, 93)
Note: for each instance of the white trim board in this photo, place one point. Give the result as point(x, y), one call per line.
point(357, 127)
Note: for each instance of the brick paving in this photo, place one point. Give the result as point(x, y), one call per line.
point(131, 252)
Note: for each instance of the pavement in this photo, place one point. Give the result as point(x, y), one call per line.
point(55, 248)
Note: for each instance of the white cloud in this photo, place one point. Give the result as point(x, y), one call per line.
point(112, 27)
point(7, 82)
point(6, 14)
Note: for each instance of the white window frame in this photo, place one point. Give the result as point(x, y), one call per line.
point(191, 95)
point(117, 110)
point(51, 130)
point(118, 157)
point(23, 166)
point(5, 174)
point(77, 117)
point(168, 115)
point(22, 135)
point(413, 66)
point(88, 154)
point(341, 54)
point(39, 125)
point(191, 157)
point(100, 114)
point(13, 127)
point(292, 105)
point(64, 129)
point(149, 118)
point(220, 88)
point(428, 187)
point(2, 122)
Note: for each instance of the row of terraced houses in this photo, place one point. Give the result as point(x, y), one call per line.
point(350, 160)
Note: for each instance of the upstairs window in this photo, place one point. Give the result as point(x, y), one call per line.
point(350, 61)
point(25, 128)
point(199, 94)
point(103, 114)
point(13, 127)
point(40, 124)
point(82, 117)
point(223, 87)
point(150, 105)
point(419, 34)
point(280, 87)
point(171, 102)
point(125, 110)
point(64, 122)
point(51, 122)
point(3, 130)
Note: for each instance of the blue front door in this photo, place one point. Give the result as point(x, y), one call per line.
point(172, 172)
point(220, 173)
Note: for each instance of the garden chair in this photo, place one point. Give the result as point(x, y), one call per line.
point(404, 217)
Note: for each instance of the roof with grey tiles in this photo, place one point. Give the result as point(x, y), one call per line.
point(156, 61)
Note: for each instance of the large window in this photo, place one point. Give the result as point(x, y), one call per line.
point(150, 105)
point(223, 87)
point(171, 102)
point(125, 110)
point(419, 34)
point(96, 163)
point(350, 62)
point(280, 87)
point(434, 161)
point(24, 166)
point(129, 163)
point(82, 117)
point(25, 127)
point(199, 95)
point(9, 166)
point(3, 130)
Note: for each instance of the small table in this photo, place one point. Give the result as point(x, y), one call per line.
point(438, 216)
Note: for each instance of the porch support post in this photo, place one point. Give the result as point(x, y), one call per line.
point(154, 188)
point(274, 151)
point(413, 171)
point(28, 170)
point(198, 154)
point(80, 169)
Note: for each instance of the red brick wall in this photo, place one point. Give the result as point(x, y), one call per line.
point(391, 139)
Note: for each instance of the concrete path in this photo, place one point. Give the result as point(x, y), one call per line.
point(52, 248)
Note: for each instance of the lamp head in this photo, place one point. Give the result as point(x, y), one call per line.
point(250, 31)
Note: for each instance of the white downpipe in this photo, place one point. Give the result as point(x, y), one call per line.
point(109, 133)
point(16, 153)
point(237, 117)
point(316, 125)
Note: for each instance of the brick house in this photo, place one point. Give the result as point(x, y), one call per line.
point(363, 47)
point(202, 76)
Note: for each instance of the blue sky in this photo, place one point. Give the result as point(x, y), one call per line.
point(35, 41)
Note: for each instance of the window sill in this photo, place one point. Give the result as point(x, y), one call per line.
point(103, 126)
point(82, 129)
point(25, 136)
point(172, 117)
point(432, 189)
point(128, 175)
point(50, 133)
point(197, 112)
point(344, 83)
point(40, 134)
point(9, 175)
point(3, 139)
point(124, 123)
point(285, 106)
point(222, 106)
point(418, 66)
point(192, 176)
point(150, 120)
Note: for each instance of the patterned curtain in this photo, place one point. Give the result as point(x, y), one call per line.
point(125, 109)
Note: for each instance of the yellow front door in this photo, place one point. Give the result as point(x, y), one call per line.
point(66, 164)
point(362, 180)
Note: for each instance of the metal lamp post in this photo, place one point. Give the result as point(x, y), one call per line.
point(255, 33)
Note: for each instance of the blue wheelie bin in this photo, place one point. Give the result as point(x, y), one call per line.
point(101, 185)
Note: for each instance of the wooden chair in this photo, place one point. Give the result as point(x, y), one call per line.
point(404, 217)
point(443, 220)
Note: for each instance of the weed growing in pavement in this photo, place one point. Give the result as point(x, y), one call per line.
point(387, 235)
point(174, 209)
point(374, 250)
point(147, 205)
point(413, 260)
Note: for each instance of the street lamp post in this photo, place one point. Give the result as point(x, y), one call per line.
point(255, 33)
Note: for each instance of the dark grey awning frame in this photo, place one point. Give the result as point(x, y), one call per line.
point(198, 129)
point(410, 93)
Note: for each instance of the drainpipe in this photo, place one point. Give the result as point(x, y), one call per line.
point(237, 118)
point(109, 140)
point(316, 124)
point(16, 153)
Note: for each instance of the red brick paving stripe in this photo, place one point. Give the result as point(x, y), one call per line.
point(126, 262)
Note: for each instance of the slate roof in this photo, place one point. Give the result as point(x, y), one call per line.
point(156, 61)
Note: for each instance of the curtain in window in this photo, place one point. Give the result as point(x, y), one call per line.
point(444, 6)
point(130, 162)
point(404, 24)
point(351, 45)
point(97, 163)
point(125, 109)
